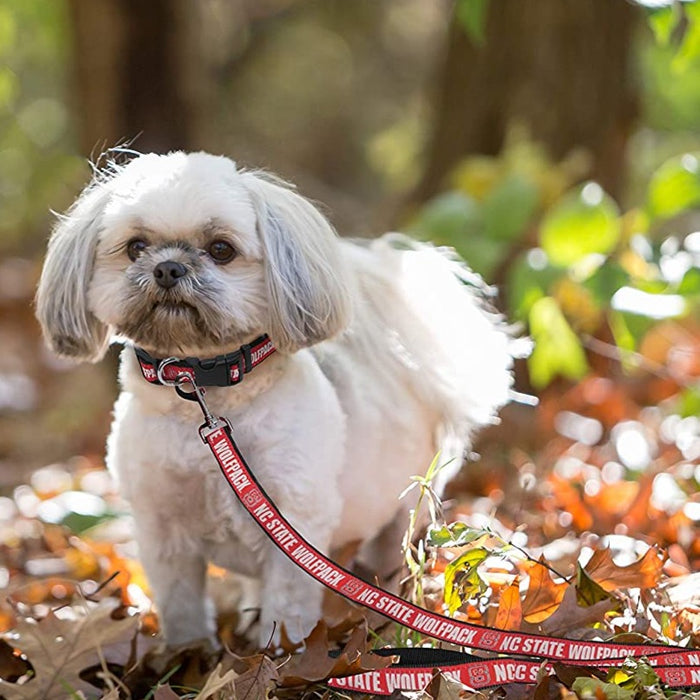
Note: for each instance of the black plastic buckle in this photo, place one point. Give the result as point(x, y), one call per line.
point(213, 372)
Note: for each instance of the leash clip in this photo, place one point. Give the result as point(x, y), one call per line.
point(197, 393)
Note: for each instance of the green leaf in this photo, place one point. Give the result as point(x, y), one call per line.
point(689, 402)
point(643, 676)
point(588, 591)
point(8, 30)
point(448, 218)
point(471, 15)
point(557, 350)
point(663, 21)
point(689, 48)
point(595, 688)
point(509, 208)
point(458, 534)
point(482, 254)
point(462, 580)
point(629, 329)
point(581, 223)
point(439, 536)
point(675, 186)
point(606, 280)
point(527, 284)
point(690, 284)
point(624, 338)
point(9, 88)
point(81, 522)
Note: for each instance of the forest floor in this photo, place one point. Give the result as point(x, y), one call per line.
point(580, 519)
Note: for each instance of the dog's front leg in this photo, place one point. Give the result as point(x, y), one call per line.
point(290, 598)
point(177, 576)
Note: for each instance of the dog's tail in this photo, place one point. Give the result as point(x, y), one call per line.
point(456, 351)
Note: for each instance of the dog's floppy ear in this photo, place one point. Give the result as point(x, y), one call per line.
point(305, 275)
point(70, 328)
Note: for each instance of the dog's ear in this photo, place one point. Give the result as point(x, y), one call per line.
point(69, 327)
point(305, 274)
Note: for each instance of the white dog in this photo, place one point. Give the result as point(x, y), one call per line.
point(384, 355)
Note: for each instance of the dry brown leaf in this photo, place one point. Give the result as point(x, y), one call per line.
point(644, 573)
point(258, 678)
point(444, 688)
point(543, 595)
point(12, 666)
point(165, 692)
point(570, 615)
point(59, 649)
point(218, 681)
point(315, 664)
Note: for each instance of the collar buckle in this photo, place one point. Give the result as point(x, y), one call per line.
point(215, 371)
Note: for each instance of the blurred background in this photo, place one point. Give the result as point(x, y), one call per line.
point(554, 143)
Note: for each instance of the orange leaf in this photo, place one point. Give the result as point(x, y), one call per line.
point(543, 595)
point(616, 499)
point(569, 498)
point(644, 573)
point(510, 612)
point(637, 515)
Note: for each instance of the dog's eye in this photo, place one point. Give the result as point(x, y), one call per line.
point(221, 252)
point(135, 247)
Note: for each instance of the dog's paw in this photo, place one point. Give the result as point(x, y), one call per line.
point(286, 632)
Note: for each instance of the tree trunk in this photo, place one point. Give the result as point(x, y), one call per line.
point(139, 75)
point(560, 67)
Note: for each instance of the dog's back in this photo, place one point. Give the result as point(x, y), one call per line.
point(422, 365)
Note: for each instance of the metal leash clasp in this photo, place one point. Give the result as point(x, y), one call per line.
point(197, 394)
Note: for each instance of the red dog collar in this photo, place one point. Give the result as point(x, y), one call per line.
point(222, 370)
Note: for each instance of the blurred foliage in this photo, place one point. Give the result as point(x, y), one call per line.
point(573, 265)
point(38, 165)
point(471, 14)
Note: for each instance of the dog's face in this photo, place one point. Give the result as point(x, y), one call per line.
point(179, 263)
point(185, 255)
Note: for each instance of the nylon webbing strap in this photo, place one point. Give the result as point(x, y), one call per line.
point(676, 665)
point(486, 673)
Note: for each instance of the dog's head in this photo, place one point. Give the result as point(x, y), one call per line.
point(185, 254)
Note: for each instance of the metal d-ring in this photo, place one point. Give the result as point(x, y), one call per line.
point(197, 393)
point(169, 382)
point(178, 382)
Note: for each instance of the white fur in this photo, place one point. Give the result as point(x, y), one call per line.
point(385, 356)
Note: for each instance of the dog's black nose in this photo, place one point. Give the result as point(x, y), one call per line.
point(168, 273)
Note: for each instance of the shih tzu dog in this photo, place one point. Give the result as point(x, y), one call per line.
point(343, 366)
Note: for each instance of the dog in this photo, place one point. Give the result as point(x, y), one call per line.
point(377, 355)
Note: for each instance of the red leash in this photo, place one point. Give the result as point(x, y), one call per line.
point(676, 666)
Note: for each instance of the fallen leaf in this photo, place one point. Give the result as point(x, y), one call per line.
point(60, 648)
point(218, 681)
point(569, 498)
point(316, 663)
point(595, 688)
point(588, 591)
point(570, 615)
point(12, 666)
point(258, 677)
point(443, 687)
point(644, 573)
point(637, 515)
point(510, 611)
point(165, 692)
point(543, 595)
